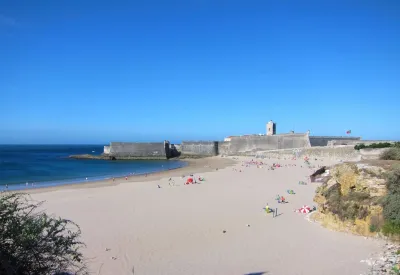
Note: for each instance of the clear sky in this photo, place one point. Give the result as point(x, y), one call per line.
point(99, 71)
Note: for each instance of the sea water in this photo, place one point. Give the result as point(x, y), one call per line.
point(27, 166)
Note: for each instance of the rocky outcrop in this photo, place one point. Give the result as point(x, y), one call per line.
point(349, 198)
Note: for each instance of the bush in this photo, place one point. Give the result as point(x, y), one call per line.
point(393, 180)
point(391, 154)
point(359, 146)
point(391, 203)
point(390, 228)
point(377, 145)
point(391, 208)
point(380, 145)
point(32, 242)
point(376, 223)
point(373, 228)
point(347, 207)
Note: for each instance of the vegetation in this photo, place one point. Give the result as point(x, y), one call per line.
point(377, 145)
point(31, 242)
point(347, 207)
point(391, 203)
point(391, 154)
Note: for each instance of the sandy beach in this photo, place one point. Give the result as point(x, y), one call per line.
point(156, 224)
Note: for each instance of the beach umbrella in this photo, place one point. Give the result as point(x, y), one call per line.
point(305, 209)
point(189, 180)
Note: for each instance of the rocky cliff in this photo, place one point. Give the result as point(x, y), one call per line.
point(350, 197)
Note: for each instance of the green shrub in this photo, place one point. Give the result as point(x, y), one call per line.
point(390, 228)
point(373, 228)
point(376, 223)
point(391, 208)
point(393, 180)
point(32, 242)
point(380, 145)
point(377, 145)
point(391, 202)
point(359, 146)
point(391, 154)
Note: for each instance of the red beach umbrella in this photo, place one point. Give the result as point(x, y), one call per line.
point(189, 180)
point(305, 209)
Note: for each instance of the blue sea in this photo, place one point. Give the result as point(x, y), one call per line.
point(49, 165)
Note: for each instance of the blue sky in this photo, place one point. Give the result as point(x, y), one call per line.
point(100, 71)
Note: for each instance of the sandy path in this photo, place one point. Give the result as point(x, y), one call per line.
point(178, 230)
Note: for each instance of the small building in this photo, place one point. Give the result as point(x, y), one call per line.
point(271, 128)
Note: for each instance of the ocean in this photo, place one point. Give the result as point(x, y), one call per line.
point(49, 165)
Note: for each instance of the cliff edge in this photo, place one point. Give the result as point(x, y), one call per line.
point(352, 197)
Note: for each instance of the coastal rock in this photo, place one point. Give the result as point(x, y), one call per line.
point(348, 199)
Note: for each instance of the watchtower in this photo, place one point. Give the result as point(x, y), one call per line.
point(271, 128)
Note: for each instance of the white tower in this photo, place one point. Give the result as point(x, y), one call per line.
point(271, 128)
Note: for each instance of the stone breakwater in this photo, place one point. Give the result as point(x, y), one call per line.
point(108, 157)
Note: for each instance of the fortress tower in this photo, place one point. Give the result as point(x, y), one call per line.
point(271, 128)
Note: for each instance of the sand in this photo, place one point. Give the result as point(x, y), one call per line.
point(179, 229)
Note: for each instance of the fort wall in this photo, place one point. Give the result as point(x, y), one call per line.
point(342, 153)
point(145, 150)
point(202, 148)
point(336, 140)
point(254, 143)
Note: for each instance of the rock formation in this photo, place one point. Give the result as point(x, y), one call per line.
point(349, 198)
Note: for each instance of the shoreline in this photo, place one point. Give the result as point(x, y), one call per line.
point(36, 184)
point(200, 165)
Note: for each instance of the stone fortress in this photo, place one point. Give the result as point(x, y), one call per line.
point(231, 146)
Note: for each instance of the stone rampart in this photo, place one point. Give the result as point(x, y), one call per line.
point(106, 150)
point(250, 144)
point(334, 140)
point(345, 153)
point(199, 148)
point(145, 150)
point(372, 153)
